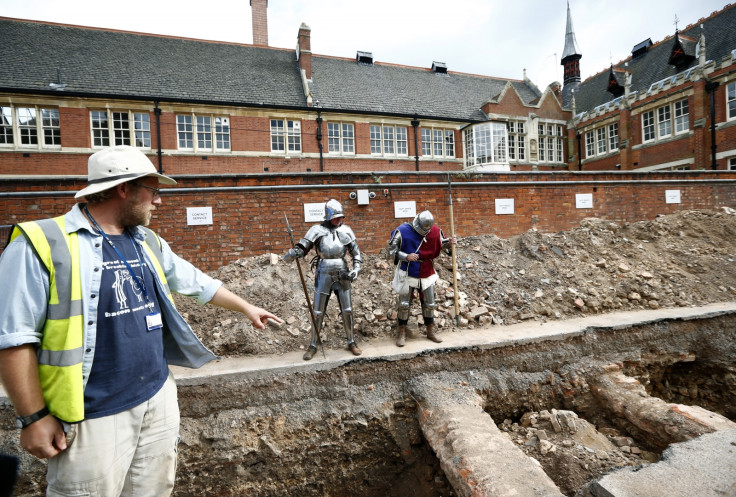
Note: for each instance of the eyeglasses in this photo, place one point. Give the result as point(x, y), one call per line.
point(156, 191)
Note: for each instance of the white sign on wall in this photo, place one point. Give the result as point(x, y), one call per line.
point(584, 200)
point(314, 212)
point(405, 209)
point(199, 215)
point(672, 196)
point(504, 206)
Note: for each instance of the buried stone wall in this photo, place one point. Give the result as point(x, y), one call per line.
point(352, 427)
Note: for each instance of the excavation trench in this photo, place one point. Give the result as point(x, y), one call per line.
point(519, 410)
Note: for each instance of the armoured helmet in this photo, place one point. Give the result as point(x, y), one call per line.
point(333, 209)
point(423, 222)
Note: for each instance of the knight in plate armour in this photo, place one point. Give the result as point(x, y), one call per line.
point(413, 246)
point(332, 240)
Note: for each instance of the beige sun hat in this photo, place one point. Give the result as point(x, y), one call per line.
point(114, 165)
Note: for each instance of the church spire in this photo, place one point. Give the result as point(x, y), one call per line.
point(570, 61)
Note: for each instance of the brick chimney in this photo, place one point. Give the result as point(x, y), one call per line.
point(304, 45)
point(259, 13)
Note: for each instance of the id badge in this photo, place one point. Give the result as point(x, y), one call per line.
point(153, 321)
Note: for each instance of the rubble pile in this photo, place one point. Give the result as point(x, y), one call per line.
point(682, 259)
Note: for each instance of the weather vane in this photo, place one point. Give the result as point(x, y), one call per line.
point(677, 19)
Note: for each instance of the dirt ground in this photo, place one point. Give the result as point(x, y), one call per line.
point(686, 258)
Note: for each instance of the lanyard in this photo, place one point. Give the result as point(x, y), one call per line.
point(139, 282)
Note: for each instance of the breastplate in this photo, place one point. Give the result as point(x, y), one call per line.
point(330, 247)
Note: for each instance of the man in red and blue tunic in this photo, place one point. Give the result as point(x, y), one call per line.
point(413, 246)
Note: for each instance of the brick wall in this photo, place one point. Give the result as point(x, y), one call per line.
point(248, 210)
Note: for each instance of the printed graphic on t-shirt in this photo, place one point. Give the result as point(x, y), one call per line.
point(128, 293)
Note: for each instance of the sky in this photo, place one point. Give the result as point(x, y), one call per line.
point(498, 38)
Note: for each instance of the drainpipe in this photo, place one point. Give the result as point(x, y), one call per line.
point(415, 124)
point(157, 113)
point(580, 152)
point(319, 141)
point(710, 87)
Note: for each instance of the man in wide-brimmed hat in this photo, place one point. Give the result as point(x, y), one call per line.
point(89, 328)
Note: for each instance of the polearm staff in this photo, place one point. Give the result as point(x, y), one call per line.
point(304, 286)
point(454, 257)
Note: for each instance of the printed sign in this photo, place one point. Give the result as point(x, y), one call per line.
point(314, 212)
point(504, 206)
point(672, 196)
point(405, 209)
point(199, 215)
point(584, 200)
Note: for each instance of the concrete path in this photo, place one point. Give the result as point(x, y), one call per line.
point(489, 337)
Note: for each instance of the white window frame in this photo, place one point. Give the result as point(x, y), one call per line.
point(612, 137)
point(681, 113)
point(589, 144)
point(120, 127)
point(340, 138)
point(551, 144)
point(486, 144)
point(601, 141)
point(732, 164)
point(29, 127)
point(202, 133)
point(664, 121)
point(389, 140)
point(517, 141)
point(438, 143)
point(286, 136)
point(648, 127)
point(731, 101)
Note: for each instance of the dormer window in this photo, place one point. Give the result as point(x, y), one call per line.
point(681, 54)
point(364, 58)
point(439, 67)
point(641, 48)
point(614, 85)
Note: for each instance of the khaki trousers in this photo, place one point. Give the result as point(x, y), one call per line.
point(132, 453)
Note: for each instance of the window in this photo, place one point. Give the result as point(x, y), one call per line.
point(517, 141)
point(550, 142)
point(388, 140)
point(438, 143)
point(601, 140)
point(682, 116)
point(486, 144)
point(198, 133)
point(663, 126)
point(665, 121)
point(647, 122)
point(29, 127)
point(340, 138)
point(731, 100)
point(286, 136)
point(120, 128)
point(613, 137)
point(589, 144)
point(732, 164)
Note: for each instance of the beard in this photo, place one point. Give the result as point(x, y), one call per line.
point(136, 213)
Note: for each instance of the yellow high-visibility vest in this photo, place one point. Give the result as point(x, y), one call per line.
point(61, 351)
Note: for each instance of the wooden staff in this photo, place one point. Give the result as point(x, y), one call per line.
point(304, 286)
point(454, 257)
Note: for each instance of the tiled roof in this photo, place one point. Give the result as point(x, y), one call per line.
point(113, 63)
point(346, 85)
point(97, 62)
point(652, 67)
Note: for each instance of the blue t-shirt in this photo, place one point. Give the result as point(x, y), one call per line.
point(129, 366)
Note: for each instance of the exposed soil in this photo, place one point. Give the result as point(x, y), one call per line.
point(686, 258)
point(683, 259)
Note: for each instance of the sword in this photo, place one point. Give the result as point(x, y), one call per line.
point(304, 287)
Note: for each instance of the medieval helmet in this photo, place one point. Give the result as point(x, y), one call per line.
point(333, 209)
point(423, 222)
